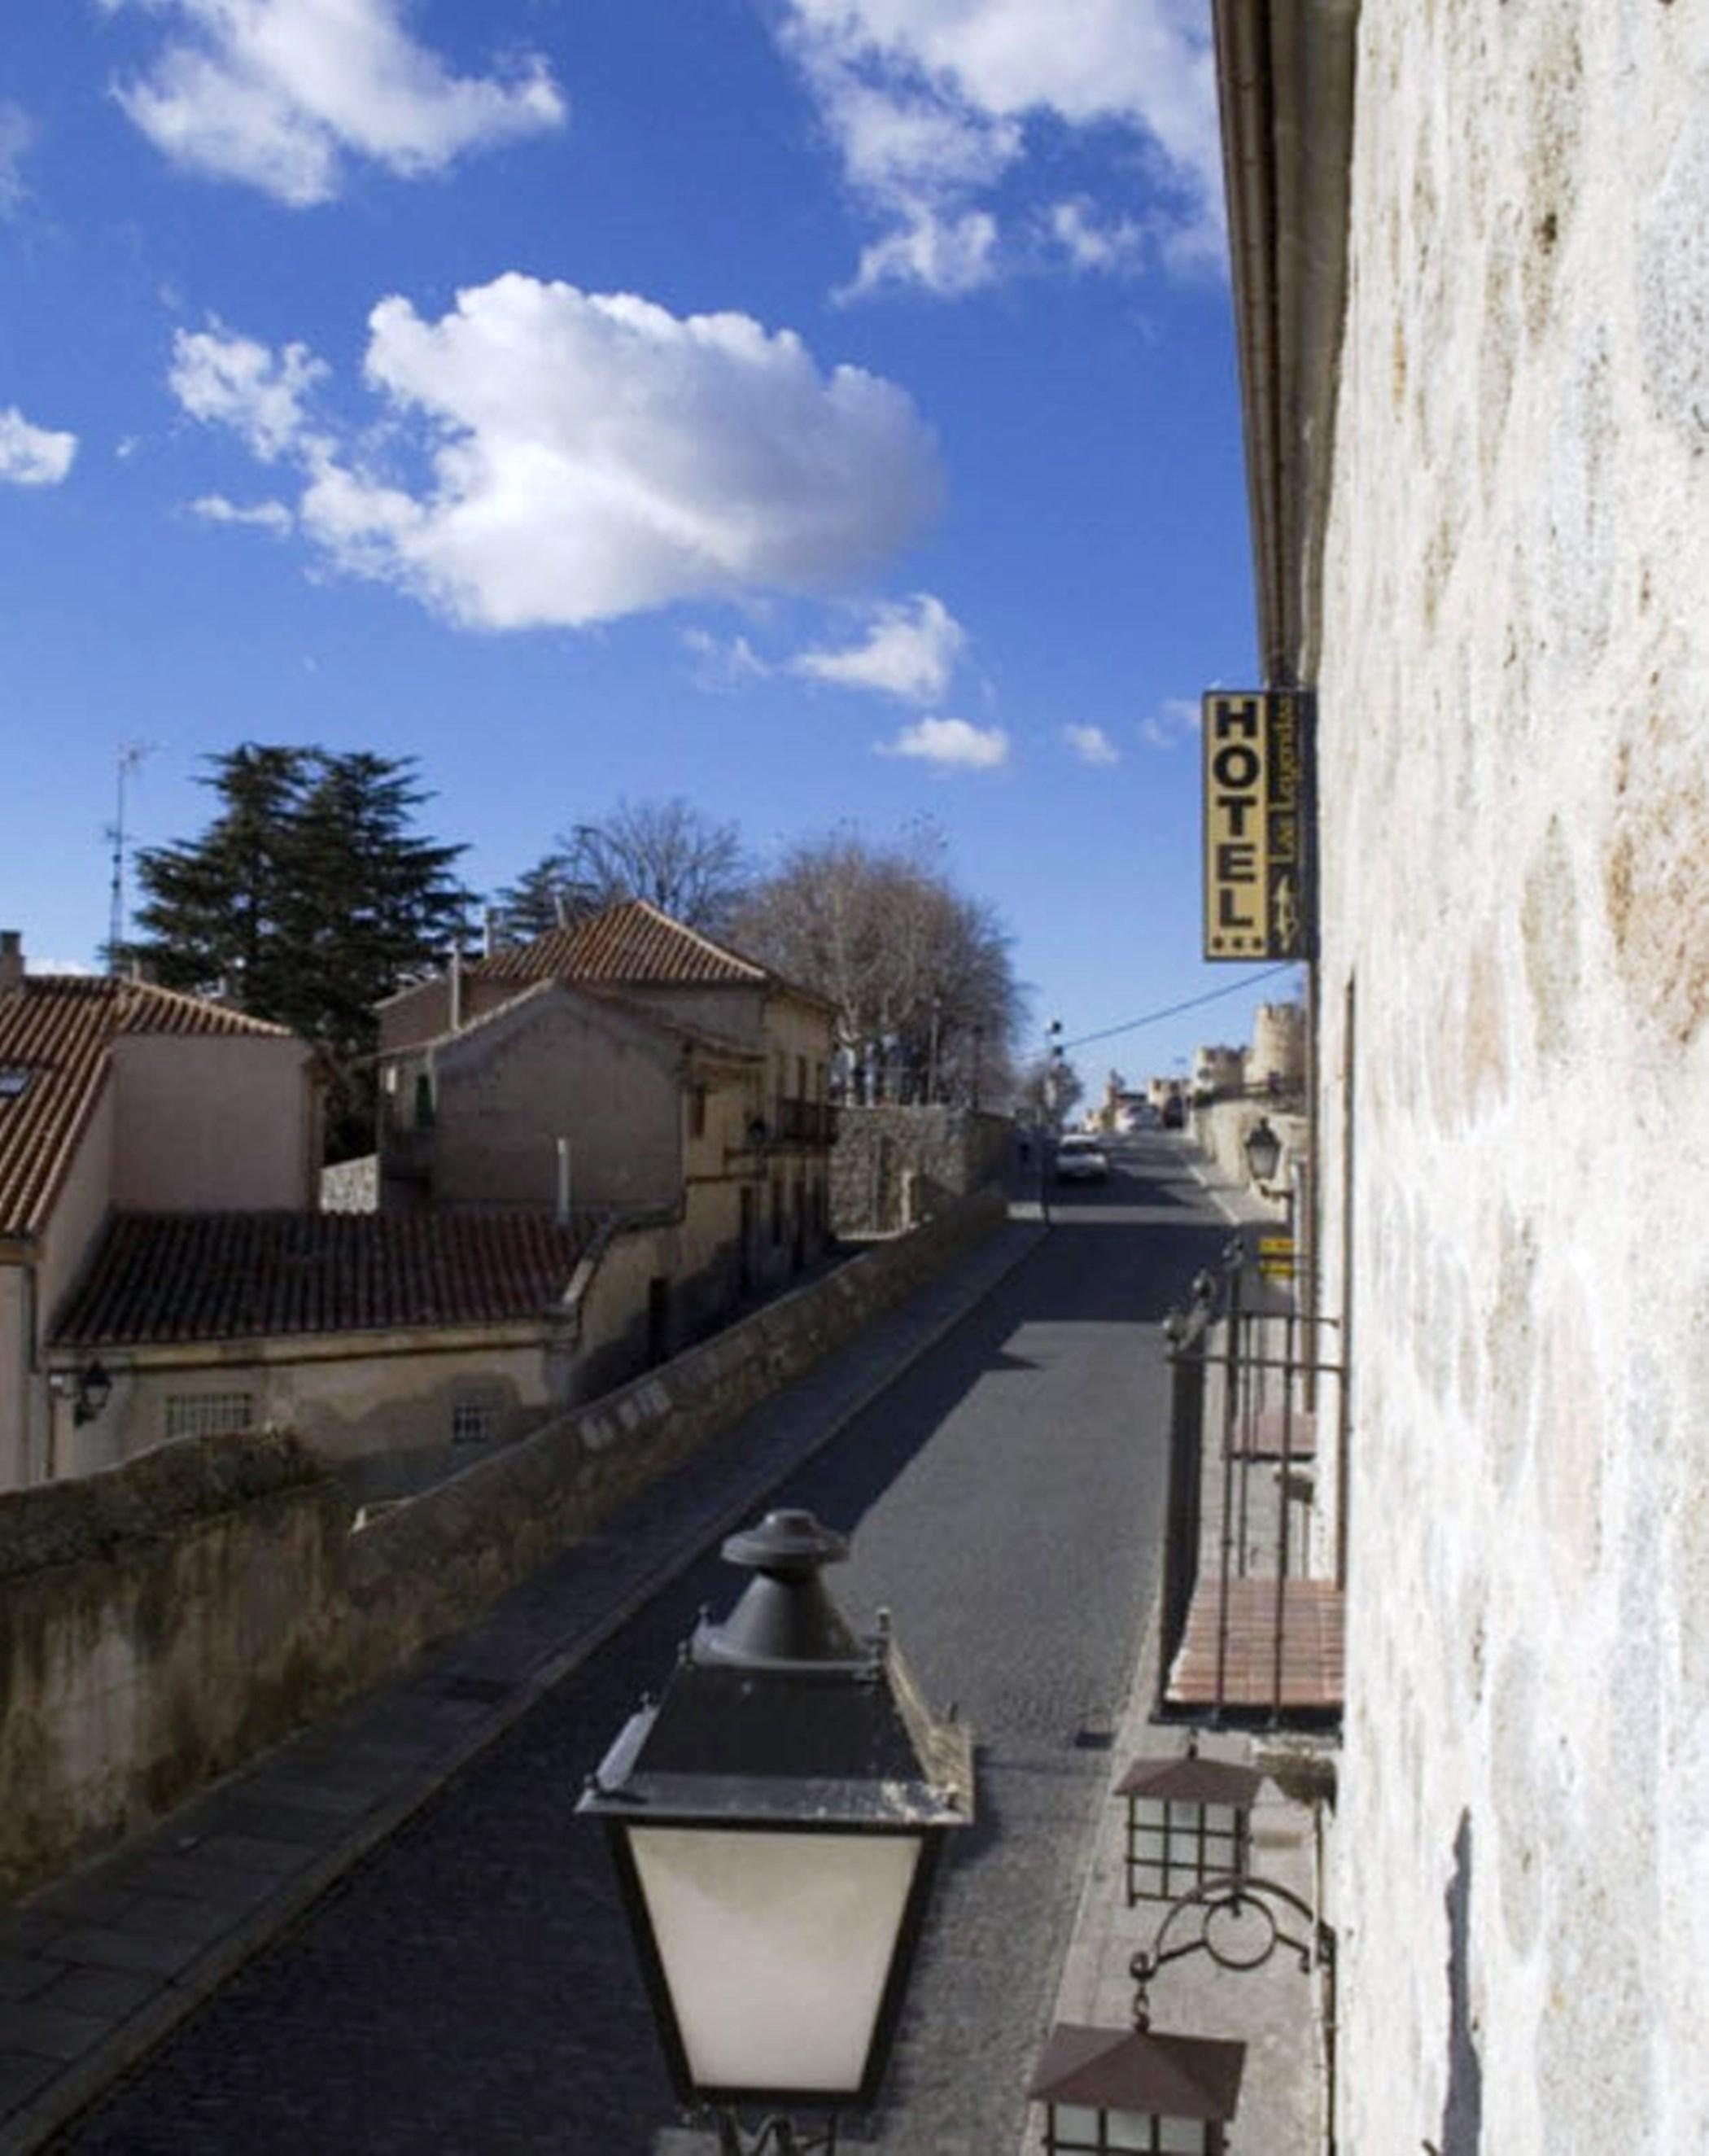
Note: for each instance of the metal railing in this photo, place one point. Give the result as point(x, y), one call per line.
point(1251, 1633)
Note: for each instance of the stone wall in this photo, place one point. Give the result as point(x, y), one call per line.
point(167, 1618)
point(162, 1623)
point(888, 1159)
point(1515, 985)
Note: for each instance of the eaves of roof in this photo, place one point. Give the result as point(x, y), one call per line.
point(1286, 82)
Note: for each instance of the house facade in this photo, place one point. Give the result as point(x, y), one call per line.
point(115, 1095)
point(1472, 270)
point(641, 1066)
point(398, 1346)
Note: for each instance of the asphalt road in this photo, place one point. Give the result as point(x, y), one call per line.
point(470, 1988)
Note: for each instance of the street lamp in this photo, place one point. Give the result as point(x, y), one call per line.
point(1188, 1820)
point(1132, 2092)
point(88, 1389)
point(1264, 1149)
point(775, 1820)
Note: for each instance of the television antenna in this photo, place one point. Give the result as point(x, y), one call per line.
point(130, 756)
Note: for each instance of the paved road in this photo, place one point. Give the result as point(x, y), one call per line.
point(470, 1988)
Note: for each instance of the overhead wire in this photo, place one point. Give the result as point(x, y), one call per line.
point(1173, 1010)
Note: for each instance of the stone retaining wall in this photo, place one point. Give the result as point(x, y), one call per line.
point(894, 1165)
point(168, 1619)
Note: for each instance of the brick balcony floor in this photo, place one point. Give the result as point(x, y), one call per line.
point(1313, 1658)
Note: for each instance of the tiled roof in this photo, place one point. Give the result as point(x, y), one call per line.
point(632, 944)
point(55, 1032)
point(161, 1277)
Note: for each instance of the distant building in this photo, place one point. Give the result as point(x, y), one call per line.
point(118, 1097)
point(1218, 1073)
point(659, 1071)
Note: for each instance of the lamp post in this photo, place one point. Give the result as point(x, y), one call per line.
point(775, 1820)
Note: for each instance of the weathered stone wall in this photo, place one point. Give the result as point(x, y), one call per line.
point(167, 1618)
point(1516, 849)
point(887, 1157)
point(162, 1622)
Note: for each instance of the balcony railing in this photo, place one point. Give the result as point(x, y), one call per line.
point(1251, 1634)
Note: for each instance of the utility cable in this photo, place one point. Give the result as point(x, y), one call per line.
point(1173, 1010)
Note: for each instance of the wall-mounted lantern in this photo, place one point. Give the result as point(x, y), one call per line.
point(775, 1820)
point(1188, 1820)
point(1137, 2093)
point(88, 1388)
point(1263, 1150)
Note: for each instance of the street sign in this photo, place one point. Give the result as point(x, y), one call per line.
point(1276, 1257)
point(1256, 885)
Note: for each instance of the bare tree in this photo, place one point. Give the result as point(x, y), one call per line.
point(919, 971)
point(668, 852)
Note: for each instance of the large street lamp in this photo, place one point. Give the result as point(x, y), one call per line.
point(775, 1820)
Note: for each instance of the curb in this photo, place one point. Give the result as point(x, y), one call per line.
point(75, 2090)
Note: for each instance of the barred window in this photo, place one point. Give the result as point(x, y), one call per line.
point(473, 1421)
point(205, 1414)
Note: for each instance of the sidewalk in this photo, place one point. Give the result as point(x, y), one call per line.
point(1270, 2007)
point(95, 1969)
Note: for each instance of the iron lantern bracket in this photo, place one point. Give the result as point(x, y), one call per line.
point(1222, 1906)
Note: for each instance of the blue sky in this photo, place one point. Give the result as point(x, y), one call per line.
point(823, 409)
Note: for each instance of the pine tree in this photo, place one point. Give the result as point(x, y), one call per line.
point(308, 899)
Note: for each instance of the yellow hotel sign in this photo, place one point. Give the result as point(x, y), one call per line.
point(1256, 891)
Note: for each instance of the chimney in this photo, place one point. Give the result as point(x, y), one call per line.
point(491, 932)
point(11, 959)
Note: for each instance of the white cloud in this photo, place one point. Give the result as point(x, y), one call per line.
point(32, 456)
point(591, 455)
point(278, 93)
point(239, 383)
point(1175, 720)
point(910, 651)
point(1092, 744)
point(720, 667)
point(265, 515)
point(16, 134)
point(953, 744)
point(1091, 241)
point(930, 103)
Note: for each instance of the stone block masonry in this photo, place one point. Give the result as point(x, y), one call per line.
point(166, 1619)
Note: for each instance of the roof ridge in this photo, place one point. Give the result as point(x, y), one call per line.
point(154, 991)
point(696, 934)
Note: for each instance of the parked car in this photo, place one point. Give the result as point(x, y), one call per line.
point(1174, 1113)
point(1082, 1159)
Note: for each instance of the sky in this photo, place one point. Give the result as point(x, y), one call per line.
point(824, 410)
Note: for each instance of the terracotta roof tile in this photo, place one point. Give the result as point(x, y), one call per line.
point(56, 1031)
point(161, 1277)
point(634, 943)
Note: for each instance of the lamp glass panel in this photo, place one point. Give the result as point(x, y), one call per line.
point(775, 1949)
point(1182, 2137)
point(1128, 2131)
point(1076, 2126)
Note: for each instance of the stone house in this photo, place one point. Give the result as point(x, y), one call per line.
point(628, 1065)
point(1470, 259)
point(395, 1345)
point(119, 1096)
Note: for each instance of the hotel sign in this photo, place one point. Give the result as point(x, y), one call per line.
point(1256, 898)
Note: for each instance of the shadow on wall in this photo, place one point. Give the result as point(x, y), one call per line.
point(1463, 2106)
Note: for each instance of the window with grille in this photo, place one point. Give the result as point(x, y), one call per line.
point(473, 1421)
point(206, 1415)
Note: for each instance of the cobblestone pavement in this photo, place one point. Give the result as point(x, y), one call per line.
point(468, 1986)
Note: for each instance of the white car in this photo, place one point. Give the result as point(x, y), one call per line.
point(1082, 1159)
